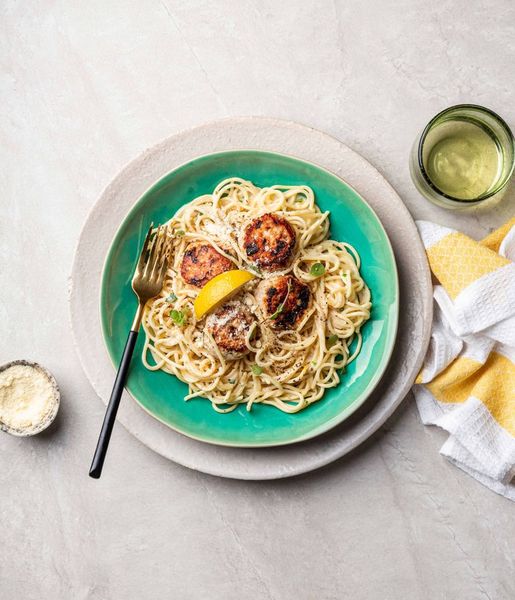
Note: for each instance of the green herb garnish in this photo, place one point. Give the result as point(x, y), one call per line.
point(178, 317)
point(256, 369)
point(331, 341)
point(171, 297)
point(317, 270)
point(280, 308)
point(256, 269)
point(180, 233)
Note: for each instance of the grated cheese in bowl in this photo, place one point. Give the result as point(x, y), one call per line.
point(29, 398)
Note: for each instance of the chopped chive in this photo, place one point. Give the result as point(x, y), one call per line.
point(171, 297)
point(280, 308)
point(317, 270)
point(180, 233)
point(331, 341)
point(256, 369)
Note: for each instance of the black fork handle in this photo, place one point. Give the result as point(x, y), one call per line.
point(112, 408)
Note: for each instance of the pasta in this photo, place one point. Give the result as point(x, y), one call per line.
point(289, 369)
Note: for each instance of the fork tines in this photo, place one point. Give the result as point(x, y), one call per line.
point(153, 261)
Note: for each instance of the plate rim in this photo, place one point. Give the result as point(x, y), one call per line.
point(391, 334)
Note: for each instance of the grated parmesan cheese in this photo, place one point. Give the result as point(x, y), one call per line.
point(221, 230)
point(27, 397)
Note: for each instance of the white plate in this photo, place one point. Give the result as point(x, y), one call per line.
point(288, 138)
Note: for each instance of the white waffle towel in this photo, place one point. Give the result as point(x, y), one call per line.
point(467, 383)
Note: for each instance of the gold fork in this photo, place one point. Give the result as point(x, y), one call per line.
point(147, 283)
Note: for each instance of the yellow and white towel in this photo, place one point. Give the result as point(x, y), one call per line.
point(467, 383)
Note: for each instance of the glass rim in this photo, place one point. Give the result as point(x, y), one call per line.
point(428, 127)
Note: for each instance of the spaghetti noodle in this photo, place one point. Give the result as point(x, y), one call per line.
point(289, 369)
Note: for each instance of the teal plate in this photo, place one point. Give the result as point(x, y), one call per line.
point(352, 220)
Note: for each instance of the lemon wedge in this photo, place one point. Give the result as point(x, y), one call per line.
point(219, 289)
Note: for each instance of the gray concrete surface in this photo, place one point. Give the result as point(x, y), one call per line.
point(86, 87)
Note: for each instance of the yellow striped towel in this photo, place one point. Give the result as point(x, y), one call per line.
point(467, 382)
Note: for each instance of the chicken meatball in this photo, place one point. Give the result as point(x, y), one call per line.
point(201, 262)
point(283, 301)
point(269, 242)
point(229, 327)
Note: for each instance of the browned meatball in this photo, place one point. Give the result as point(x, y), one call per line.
point(269, 242)
point(201, 262)
point(271, 293)
point(229, 327)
